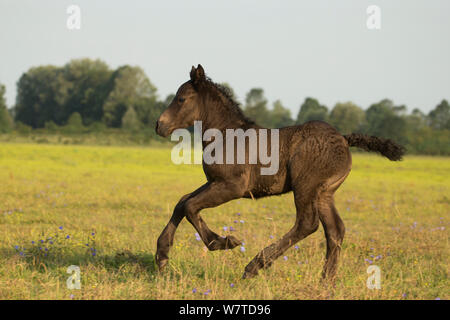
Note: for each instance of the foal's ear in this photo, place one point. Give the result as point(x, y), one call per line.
point(197, 75)
point(192, 73)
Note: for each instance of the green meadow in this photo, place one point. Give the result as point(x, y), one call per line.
point(102, 208)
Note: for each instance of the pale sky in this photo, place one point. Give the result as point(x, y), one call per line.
point(292, 49)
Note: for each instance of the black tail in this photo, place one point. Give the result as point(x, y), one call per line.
point(385, 147)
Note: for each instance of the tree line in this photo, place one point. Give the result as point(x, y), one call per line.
point(87, 93)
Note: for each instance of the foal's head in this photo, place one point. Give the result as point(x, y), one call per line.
point(185, 107)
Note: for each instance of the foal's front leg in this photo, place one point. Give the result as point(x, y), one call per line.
point(165, 240)
point(207, 196)
point(213, 195)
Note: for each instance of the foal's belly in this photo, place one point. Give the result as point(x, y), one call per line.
point(269, 185)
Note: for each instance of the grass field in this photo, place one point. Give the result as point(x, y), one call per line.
point(102, 209)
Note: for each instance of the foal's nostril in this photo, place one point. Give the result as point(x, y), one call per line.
point(161, 129)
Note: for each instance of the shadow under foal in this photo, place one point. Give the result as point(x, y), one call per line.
point(314, 160)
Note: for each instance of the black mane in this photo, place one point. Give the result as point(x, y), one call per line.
point(216, 90)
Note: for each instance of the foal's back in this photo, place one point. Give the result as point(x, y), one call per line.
point(313, 146)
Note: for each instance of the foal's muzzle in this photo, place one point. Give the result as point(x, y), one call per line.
point(162, 129)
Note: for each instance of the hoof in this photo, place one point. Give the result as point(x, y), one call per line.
point(231, 242)
point(249, 275)
point(228, 242)
point(327, 279)
point(161, 263)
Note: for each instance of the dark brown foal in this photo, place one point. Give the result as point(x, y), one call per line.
point(314, 160)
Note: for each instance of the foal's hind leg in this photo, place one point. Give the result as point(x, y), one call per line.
point(333, 227)
point(306, 223)
point(334, 233)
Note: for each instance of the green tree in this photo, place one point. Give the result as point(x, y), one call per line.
point(256, 107)
point(89, 83)
point(384, 120)
point(74, 124)
point(130, 120)
point(51, 126)
point(41, 95)
point(6, 122)
point(75, 120)
point(132, 88)
point(439, 117)
point(50, 93)
point(280, 116)
point(347, 117)
point(311, 109)
point(416, 120)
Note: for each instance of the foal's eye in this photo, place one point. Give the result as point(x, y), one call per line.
point(181, 100)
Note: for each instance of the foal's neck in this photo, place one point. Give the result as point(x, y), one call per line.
point(223, 114)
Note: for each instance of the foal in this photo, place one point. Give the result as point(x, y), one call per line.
point(314, 160)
